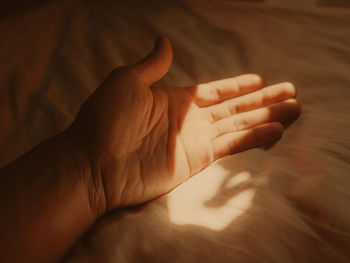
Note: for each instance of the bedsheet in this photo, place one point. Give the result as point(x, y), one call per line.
point(287, 203)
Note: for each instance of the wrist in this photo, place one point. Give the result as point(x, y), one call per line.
point(87, 171)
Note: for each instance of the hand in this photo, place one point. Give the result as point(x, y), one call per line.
point(143, 141)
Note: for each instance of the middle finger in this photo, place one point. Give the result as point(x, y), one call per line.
point(257, 99)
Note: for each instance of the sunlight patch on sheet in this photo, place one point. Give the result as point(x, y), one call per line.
point(212, 199)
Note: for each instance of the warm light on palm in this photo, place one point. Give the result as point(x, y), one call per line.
point(147, 140)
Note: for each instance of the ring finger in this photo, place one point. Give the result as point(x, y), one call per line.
point(279, 112)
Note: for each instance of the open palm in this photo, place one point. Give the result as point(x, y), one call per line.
point(143, 141)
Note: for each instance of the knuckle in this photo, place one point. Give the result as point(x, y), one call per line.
point(231, 144)
point(214, 93)
point(232, 108)
point(239, 124)
point(264, 96)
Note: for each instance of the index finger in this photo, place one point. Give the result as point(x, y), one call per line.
point(214, 92)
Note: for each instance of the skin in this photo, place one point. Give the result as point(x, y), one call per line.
point(130, 143)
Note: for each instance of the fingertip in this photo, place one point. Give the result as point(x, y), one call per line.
point(163, 40)
point(277, 129)
point(262, 81)
point(276, 133)
point(157, 63)
point(255, 79)
point(267, 133)
point(163, 43)
point(290, 88)
point(295, 107)
point(298, 108)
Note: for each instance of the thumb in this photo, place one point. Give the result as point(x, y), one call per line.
point(157, 63)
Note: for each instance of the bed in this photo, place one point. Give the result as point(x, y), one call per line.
point(286, 203)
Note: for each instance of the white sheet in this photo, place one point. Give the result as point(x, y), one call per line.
point(289, 203)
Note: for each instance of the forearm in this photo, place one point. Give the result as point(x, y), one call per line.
point(46, 202)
